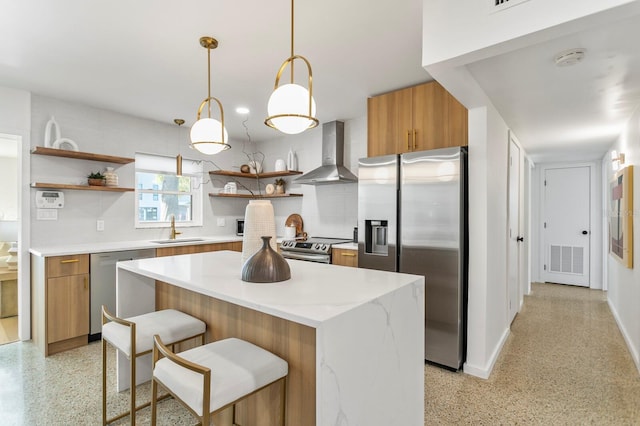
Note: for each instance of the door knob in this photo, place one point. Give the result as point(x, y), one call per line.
point(585, 232)
point(519, 239)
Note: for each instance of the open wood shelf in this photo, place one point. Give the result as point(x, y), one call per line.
point(41, 150)
point(80, 187)
point(253, 176)
point(211, 194)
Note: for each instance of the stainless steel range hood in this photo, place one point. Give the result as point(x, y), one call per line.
point(332, 170)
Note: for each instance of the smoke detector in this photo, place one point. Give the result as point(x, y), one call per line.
point(569, 57)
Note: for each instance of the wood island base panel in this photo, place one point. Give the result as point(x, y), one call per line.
point(353, 337)
point(288, 340)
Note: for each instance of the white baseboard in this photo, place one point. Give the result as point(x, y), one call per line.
point(485, 372)
point(625, 335)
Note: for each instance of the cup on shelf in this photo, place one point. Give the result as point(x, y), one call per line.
point(230, 188)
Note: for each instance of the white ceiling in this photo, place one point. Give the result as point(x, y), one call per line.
point(143, 58)
point(573, 112)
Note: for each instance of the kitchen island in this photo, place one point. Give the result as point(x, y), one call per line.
point(353, 338)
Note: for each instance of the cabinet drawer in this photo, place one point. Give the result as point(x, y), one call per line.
point(344, 257)
point(61, 266)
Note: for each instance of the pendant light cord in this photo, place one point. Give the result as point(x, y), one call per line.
point(209, 79)
point(292, 62)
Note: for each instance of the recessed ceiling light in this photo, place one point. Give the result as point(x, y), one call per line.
point(569, 57)
point(242, 110)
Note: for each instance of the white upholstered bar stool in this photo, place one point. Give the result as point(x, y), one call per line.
point(134, 337)
point(207, 379)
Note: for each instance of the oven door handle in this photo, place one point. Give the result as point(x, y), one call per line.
point(322, 258)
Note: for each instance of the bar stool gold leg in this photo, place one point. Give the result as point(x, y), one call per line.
point(104, 383)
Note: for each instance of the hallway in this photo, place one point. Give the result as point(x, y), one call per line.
point(565, 362)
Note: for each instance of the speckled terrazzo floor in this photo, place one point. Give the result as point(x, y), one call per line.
point(565, 363)
point(65, 389)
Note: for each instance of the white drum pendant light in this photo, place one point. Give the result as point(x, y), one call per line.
point(209, 135)
point(291, 107)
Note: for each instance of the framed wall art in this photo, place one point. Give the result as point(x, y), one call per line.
point(621, 217)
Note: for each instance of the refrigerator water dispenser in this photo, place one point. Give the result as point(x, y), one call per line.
point(376, 241)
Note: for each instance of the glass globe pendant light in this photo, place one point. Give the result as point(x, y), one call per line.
point(291, 107)
point(209, 135)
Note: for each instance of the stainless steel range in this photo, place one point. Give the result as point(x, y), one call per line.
point(314, 249)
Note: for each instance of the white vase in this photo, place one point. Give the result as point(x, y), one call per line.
point(292, 161)
point(111, 177)
point(259, 221)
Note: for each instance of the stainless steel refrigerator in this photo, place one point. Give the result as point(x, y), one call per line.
point(412, 217)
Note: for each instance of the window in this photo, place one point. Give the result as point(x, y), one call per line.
point(161, 194)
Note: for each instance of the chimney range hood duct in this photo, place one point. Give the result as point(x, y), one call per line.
point(332, 170)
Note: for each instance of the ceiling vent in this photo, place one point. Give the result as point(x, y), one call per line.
point(497, 5)
point(569, 57)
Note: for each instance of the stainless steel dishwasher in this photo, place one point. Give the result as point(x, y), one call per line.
point(103, 283)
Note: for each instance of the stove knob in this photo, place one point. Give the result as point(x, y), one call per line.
point(324, 247)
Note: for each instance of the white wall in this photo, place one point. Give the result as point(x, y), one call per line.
point(488, 325)
point(624, 283)
point(107, 132)
point(327, 211)
point(15, 119)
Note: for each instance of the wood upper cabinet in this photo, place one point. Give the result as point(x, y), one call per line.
point(388, 122)
point(415, 119)
point(344, 257)
point(67, 302)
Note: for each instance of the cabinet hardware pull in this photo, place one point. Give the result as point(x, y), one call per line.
point(415, 132)
point(70, 261)
point(349, 254)
point(408, 142)
point(86, 283)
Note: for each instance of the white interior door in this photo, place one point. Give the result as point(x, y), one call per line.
point(566, 225)
point(513, 264)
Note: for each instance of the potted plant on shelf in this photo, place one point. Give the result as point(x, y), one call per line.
point(96, 179)
point(280, 186)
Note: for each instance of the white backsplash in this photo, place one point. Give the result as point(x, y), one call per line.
point(326, 210)
point(329, 211)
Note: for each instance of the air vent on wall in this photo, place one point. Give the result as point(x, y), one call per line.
point(497, 5)
point(567, 259)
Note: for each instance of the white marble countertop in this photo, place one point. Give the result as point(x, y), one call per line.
point(315, 293)
point(67, 249)
point(346, 246)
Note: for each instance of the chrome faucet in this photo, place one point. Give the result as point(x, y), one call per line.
point(173, 228)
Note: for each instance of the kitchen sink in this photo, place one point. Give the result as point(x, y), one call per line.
point(178, 240)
